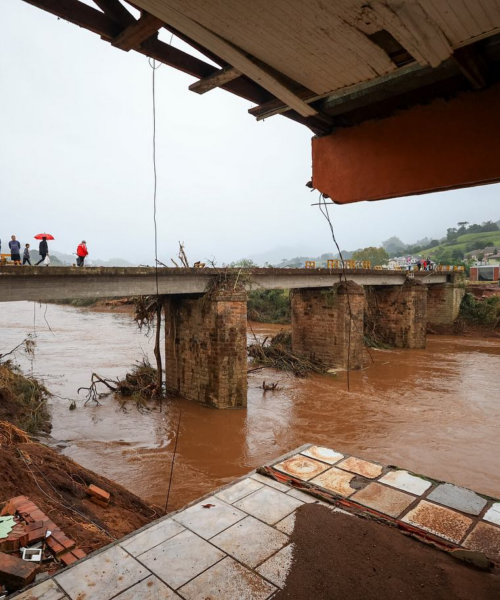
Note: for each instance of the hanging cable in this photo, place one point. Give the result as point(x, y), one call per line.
point(173, 459)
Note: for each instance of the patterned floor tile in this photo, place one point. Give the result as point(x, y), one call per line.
point(270, 482)
point(268, 505)
point(402, 480)
point(287, 524)
point(148, 589)
point(361, 467)
point(459, 498)
point(336, 481)
point(181, 558)
point(324, 454)
point(301, 467)
point(47, 590)
point(383, 499)
point(276, 568)
point(152, 537)
point(227, 580)
point(239, 490)
point(440, 521)
point(209, 517)
point(493, 514)
point(103, 576)
point(307, 498)
point(485, 538)
point(250, 541)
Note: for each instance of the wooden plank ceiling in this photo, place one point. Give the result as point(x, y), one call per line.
point(286, 55)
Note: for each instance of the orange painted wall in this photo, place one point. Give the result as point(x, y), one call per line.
point(441, 146)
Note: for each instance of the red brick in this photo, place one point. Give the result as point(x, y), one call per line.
point(16, 573)
point(93, 490)
point(68, 558)
point(98, 501)
point(55, 546)
point(37, 535)
point(78, 553)
point(33, 526)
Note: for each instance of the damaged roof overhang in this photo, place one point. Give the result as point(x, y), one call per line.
point(404, 53)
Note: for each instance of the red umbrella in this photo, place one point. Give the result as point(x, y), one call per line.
point(40, 236)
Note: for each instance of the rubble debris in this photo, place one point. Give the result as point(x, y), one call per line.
point(98, 496)
point(16, 573)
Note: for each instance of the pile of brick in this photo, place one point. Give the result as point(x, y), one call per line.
point(30, 527)
point(98, 496)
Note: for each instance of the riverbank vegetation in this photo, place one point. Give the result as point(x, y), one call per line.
point(481, 311)
point(269, 306)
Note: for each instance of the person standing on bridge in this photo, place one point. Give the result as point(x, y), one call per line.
point(43, 250)
point(81, 253)
point(15, 250)
point(26, 255)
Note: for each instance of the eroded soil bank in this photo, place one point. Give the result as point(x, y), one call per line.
point(434, 411)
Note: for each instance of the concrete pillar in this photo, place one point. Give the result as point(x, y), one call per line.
point(398, 314)
point(443, 303)
point(322, 327)
point(206, 348)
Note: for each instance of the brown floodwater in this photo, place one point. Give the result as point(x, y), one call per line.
point(434, 411)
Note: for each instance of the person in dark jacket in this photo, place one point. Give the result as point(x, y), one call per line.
point(15, 250)
point(26, 255)
point(43, 250)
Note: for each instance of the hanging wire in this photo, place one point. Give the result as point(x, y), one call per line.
point(173, 459)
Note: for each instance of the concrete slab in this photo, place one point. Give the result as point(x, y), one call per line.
point(402, 480)
point(47, 590)
point(441, 521)
point(323, 454)
point(209, 517)
point(250, 541)
point(103, 576)
point(301, 467)
point(239, 490)
point(361, 467)
point(151, 537)
point(459, 498)
point(287, 524)
point(485, 538)
point(493, 514)
point(276, 568)
point(336, 481)
point(383, 499)
point(268, 505)
point(181, 558)
point(227, 580)
point(148, 589)
point(270, 482)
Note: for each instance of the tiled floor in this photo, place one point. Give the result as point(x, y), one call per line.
point(235, 544)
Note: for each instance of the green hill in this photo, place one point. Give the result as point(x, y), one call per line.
point(467, 243)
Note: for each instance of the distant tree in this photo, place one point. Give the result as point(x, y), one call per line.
point(489, 226)
point(377, 256)
point(462, 227)
point(394, 246)
point(451, 234)
point(243, 263)
point(457, 254)
point(480, 256)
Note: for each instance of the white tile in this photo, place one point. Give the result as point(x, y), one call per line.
point(102, 576)
point(268, 505)
point(493, 514)
point(227, 580)
point(277, 568)
point(402, 480)
point(148, 589)
point(239, 490)
point(207, 520)
point(270, 482)
point(307, 498)
point(324, 454)
point(152, 537)
point(181, 558)
point(287, 524)
point(47, 590)
point(250, 541)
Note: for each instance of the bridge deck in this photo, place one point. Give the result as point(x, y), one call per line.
point(53, 283)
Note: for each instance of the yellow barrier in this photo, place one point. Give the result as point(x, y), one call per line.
point(310, 264)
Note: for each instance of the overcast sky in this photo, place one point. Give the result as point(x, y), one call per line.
point(76, 161)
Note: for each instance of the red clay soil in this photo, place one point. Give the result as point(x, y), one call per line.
point(57, 485)
point(341, 557)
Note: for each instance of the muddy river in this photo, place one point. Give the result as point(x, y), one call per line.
point(433, 411)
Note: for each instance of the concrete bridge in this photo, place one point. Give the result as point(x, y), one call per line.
point(206, 314)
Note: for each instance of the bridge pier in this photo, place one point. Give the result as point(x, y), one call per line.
point(322, 328)
point(206, 348)
point(398, 314)
point(443, 303)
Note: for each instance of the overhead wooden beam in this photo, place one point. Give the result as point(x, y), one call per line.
point(231, 54)
point(115, 10)
point(215, 80)
point(472, 65)
point(137, 32)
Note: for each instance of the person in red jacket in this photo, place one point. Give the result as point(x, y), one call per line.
point(81, 253)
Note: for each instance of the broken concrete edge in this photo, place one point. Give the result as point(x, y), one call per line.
point(169, 515)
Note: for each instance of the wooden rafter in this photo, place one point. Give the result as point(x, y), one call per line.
point(115, 10)
point(133, 35)
point(215, 80)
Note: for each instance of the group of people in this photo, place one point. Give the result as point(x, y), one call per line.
point(43, 251)
point(425, 265)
